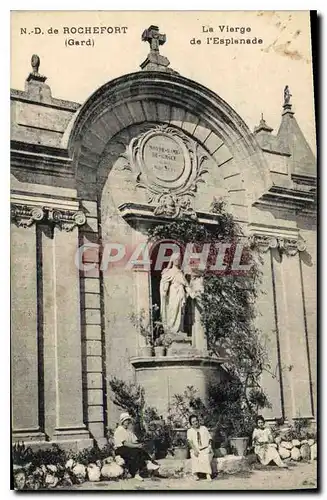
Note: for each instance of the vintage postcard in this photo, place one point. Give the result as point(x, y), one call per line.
point(163, 250)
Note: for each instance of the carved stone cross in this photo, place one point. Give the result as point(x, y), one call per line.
point(154, 38)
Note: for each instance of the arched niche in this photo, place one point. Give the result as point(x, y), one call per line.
point(97, 138)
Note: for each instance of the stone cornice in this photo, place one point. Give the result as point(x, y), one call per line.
point(293, 199)
point(168, 361)
point(21, 95)
point(304, 180)
point(25, 216)
point(52, 161)
point(137, 211)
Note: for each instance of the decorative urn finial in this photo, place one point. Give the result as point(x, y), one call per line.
point(35, 75)
point(35, 63)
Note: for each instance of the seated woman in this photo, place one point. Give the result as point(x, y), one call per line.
point(127, 446)
point(264, 446)
point(200, 441)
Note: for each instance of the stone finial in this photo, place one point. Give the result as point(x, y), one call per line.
point(153, 37)
point(35, 63)
point(262, 126)
point(35, 75)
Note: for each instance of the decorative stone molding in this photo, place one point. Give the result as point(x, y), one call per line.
point(66, 219)
point(137, 211)
point(25, 216)
point(171, 206)
point(289, 246)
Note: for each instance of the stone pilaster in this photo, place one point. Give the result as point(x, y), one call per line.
point(52, 285)
point(294, 357)
point(91, 314)
point(67, 333)
point(266, 321)
point(290, 324)
point(47, 265)
point(299, 368)
point(27, 411)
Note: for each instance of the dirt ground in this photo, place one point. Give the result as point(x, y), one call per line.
point(298, 476)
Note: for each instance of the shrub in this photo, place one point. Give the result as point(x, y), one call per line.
point(90, 456)
point(130, 398)
point(20, 454)
point(183, 405)
point(179, 440)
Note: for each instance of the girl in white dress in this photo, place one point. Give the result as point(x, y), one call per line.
point(199, 440)
point(264, 446)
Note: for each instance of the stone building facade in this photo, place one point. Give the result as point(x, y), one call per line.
point(77, 172)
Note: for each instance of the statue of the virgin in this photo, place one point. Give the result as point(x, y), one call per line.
point(174, 290)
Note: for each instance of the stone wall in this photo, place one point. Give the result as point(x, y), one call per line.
point(71, 328)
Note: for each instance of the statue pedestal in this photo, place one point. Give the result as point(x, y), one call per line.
point(163, 377)
point(181, 345)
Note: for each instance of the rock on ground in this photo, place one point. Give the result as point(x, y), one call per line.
point(79, 472)
point(284, 452)
point(111, 471)
point(313, 450)
point(305, 451)
point(51, 481)
point(93, 472)
point(286, 444)
point(19, 480)
point(295, 454)
point(70, 464)
point(295, 442)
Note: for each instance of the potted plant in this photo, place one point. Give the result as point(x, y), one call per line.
point(237, 424)
point(180, 445)
point(147, 350)
point(239, 438)
point(159, 347)
point(159, 434)
point(167, 342)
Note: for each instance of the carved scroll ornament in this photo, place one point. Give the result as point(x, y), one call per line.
point(288, 246)
point(25, 216)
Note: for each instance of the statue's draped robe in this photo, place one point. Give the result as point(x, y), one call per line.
point(172, 299)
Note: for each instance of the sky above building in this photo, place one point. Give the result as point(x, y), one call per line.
point(250, 76)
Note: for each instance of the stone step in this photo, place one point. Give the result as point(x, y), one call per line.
point(230, 464)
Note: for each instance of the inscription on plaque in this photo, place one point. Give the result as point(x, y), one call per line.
point(164, 158)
